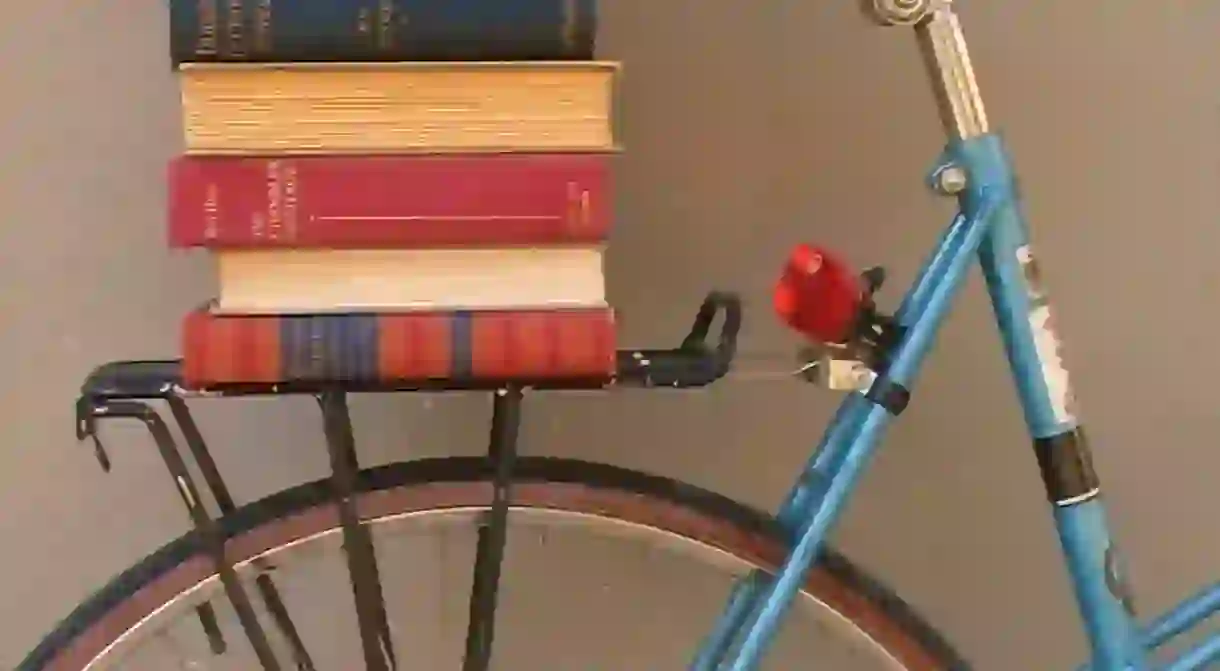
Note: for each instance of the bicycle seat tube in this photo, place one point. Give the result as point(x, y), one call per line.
point(975, 159)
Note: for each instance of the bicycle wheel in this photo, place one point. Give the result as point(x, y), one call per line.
point(672, 535)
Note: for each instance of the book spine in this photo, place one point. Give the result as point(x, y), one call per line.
point(381, 348)
point(381, 30)
point(388, 201)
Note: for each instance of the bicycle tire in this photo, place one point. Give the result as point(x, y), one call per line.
point(540, 482)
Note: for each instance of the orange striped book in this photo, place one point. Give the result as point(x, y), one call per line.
point(375, 348)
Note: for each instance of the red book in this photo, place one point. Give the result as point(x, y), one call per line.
point(389, 201)
point(378, 348)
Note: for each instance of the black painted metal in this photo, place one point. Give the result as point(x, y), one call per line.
point(224, 502)
point(207, 527)
point(697, 362)
point(116, 389)
point(375, 637)
point(493, 534)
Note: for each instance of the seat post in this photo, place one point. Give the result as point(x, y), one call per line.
point(945, 56)
point(948, 64)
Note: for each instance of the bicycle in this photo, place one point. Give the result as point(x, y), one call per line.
point(229, 561)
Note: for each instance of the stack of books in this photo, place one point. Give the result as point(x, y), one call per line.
point(394, 190)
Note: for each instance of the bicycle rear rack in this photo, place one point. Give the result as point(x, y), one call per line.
point(125, 389)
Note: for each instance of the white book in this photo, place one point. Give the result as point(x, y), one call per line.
point(370, 280)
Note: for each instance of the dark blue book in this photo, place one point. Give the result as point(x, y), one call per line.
point(381, 30)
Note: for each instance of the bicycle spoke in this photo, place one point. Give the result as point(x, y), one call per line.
point(279, 615)
point(489, 553)
point(375, 638)
point(211, 628)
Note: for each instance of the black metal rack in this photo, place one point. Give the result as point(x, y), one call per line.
point(124, 389)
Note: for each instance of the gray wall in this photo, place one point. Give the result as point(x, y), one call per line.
point(748, 127)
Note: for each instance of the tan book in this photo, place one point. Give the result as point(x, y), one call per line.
point(309, 108)
point(354, 280)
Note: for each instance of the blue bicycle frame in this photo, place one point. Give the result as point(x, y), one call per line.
point(990, 228)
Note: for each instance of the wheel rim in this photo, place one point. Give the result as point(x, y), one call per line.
point(610, 512)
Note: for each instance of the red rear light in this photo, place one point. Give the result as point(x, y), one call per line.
point(818, 295)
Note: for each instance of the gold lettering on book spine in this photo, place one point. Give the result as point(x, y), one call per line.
point(211, 212)
point(385, 24)
point(578, 207)
point(281, 218)
point(291, 193)
point(205, 44)
point(262, 27)
point(316, 349)
point(237, 29)
point(271, 227)
point(571, 20)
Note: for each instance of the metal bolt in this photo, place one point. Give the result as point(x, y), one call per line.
point(951, 180)
point(897, 12)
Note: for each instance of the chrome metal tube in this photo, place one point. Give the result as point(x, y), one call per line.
point(948, 63)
